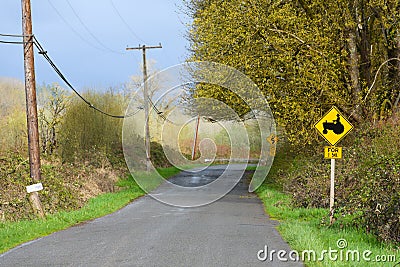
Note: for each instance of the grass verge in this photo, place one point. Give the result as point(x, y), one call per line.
point(306, 230)
point(15, 233)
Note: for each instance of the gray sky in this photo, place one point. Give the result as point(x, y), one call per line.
point(87, 39)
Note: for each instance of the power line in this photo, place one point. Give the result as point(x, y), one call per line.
point(12, 35)
point(57, 70)
point(124, 21)
point(88, 30)
point(44, 53)
point(73, 29)
point(11, 42)
point(160, 113)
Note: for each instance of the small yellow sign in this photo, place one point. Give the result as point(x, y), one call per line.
point(272, 151)
point(333, 126)
point(333, 152)
point(272, 139)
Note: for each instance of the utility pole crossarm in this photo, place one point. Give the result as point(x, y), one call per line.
point(143, 47)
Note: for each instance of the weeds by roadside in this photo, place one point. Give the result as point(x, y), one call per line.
point(15, 233)
point(296, 193)
point(307, 229)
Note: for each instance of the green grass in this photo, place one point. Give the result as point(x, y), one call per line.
point(15, 233)
point(307, 229)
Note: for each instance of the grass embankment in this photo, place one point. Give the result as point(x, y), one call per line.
point(15, 233)
point(307, 229)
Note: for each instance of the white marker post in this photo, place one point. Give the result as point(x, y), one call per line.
point(332, 193)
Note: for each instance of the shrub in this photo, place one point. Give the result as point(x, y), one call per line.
point(367, 179)
point(86, 134)
point(373, 183)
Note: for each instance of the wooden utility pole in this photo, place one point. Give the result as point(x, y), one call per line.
point(146, 101)
point(31, 105)
point(196, 133)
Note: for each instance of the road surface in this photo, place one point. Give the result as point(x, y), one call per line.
point(229, 232)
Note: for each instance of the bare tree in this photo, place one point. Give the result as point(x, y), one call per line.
point(52, 104)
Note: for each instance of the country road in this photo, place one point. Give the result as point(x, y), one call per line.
point(228, 232)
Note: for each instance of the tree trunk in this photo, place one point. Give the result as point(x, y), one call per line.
point(365, 42)
point(354, 71)
point(53, 140)
point(396, 85)
point(393, 69)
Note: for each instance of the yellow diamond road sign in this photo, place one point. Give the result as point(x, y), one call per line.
point(333, 126)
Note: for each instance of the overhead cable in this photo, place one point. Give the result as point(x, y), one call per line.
point(57, 70)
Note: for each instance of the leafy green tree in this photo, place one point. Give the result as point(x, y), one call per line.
point(305, 56)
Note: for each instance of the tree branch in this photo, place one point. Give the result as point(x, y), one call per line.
point(373, 83)
point(297, 38)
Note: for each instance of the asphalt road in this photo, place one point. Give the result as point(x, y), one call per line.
point(228, 232)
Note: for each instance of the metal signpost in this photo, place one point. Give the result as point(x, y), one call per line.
point(333, 127)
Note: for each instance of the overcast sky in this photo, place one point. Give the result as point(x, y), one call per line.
point(87, 39)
